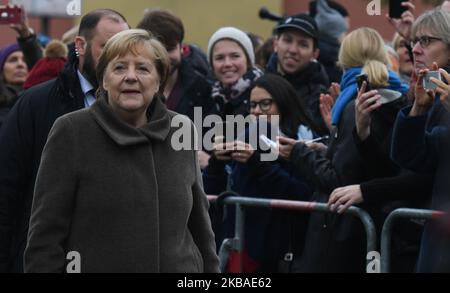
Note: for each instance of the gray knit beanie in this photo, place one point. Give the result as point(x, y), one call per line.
point(330, 22)
point(236, 35)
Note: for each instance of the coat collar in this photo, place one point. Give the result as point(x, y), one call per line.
point(157, 128)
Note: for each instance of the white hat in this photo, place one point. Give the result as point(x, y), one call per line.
point(236, 35)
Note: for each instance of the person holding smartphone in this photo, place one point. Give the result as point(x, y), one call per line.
point(334, 243)
point(421, 138)
point(238, 166)
point(26, 37)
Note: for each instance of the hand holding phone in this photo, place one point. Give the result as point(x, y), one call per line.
point(317, 139)
point(270, 143)
point(11, 14)
point(396, 8)
point(361, 79)
point(223, 150)
point(427, 83)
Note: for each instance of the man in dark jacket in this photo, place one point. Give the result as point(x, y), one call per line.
point(296, 52)
point(187, 86)
point(24, 134)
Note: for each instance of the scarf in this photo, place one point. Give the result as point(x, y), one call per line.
point(349, 90)
point(224, 95)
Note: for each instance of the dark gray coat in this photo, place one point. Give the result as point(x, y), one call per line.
point(122, 197)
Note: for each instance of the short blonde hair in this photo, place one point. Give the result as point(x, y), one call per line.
point(365, 47)
point(132, 41)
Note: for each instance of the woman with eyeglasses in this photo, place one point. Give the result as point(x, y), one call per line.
point(270, 236)
point(421, 140)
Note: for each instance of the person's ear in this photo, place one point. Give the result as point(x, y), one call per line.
point(316, 53)
point(275, 43)
point(80, 45)
point(105, 85)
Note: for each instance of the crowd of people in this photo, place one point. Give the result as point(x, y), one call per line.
point(87, 162)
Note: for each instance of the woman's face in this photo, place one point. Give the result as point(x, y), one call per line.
point(262, 103)
point(15, 71)
point(131, 82)
point(229, 62)
point(405, 62)
point(435, 51)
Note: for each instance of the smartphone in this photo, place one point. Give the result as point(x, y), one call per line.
point(427, 83)
point(317, 139)
point(363, 78)
point(273, 145)
point(11, 14)
point(396, 9)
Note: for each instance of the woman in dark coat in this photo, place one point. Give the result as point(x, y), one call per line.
point(13, 74)
point(111, 186)
point(270, 235)
point(421, 140)
point(335, 243)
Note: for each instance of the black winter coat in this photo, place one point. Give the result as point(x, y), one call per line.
point(421, 144)
point(22, 139)
point(309, 84)
point(337, 243)
point(196, 90)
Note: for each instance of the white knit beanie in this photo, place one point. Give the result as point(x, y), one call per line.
point(236, 35)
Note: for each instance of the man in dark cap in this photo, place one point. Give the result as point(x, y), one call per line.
point(295, 58)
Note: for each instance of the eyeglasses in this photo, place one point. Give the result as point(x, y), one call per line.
point(264, 105)
point(424, 41)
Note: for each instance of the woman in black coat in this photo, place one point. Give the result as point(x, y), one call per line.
point(422, 132)
point(13, 74)
point(270, 235)
point(335, 243)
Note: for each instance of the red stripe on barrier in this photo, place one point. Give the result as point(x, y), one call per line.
point(212, 198)
point(290, 205)
point(435, 215)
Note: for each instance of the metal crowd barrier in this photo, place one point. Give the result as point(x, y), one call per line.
point(387, 227)
point(237, 243)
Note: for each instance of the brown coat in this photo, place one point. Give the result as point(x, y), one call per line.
point(122, 197)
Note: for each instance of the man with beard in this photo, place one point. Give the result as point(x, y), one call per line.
point(24, 134)
point(295, 58)
point(187, 86)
